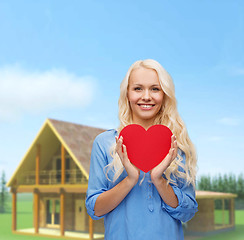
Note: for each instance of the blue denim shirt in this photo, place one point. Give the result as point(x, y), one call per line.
point(142, 214)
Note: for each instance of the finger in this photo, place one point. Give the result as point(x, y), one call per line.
point(168, 156)
point(167, 160)
point(124, 148)
point(125, 151)
point(174, 153)
point(172, 140)
point(125, 161)
point(117, 142)
point(175, 144)
point(118, 147)
point(171, 151)
point(121, 141)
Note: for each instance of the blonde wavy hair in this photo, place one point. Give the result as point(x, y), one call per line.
point(168, 116)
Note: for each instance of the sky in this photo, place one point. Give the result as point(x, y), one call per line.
point(66, 59)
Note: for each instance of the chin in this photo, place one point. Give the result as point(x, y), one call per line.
point(148, 117)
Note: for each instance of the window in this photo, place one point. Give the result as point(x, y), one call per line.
point(222, 213)
point(52, 212)
point(58, 169)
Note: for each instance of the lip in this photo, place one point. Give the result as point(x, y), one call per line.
point(146, 104)
point(148, 108)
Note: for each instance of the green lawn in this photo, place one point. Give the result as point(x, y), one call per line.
point(237, 234)
point(25, 220)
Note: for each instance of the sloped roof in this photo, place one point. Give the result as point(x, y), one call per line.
point(76, 138)
point(214, 195)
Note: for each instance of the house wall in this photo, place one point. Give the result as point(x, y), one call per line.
point(69, 212)
point(203, 220)
point(70, 201)
point(69, 209)
point(98, 225)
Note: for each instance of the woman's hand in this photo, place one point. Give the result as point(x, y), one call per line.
point(132, 171)
point(157, 172)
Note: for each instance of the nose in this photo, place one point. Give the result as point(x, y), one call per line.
point(146, 95)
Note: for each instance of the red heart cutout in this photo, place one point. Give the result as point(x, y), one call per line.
point(146, 148)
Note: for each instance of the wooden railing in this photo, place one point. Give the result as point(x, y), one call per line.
point(50, 177)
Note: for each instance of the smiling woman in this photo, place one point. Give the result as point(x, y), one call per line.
point(116, 190)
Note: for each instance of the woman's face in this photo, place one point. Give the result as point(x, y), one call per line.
point(145, 96)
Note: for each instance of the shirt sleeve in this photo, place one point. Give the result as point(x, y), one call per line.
point(187, 204)
point(98, 182)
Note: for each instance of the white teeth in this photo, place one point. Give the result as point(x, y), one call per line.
point(146, 106)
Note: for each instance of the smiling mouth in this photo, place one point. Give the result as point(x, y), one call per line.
point(151, 105)
point(146, 106)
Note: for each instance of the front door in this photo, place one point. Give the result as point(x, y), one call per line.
point(53, 212)
point(80, 211)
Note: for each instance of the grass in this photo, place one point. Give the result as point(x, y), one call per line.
point(25, 220)
point(237, 234)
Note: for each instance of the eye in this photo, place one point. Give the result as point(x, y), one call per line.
point(137, 88)
point(156, 89)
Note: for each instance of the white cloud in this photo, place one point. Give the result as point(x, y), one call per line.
point(34, 92)
point(229, 121)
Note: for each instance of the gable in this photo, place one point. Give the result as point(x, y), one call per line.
point(77, 140)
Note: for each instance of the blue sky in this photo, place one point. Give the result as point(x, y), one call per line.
point(65, 60)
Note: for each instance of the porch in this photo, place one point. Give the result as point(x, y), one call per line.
point(47, 232)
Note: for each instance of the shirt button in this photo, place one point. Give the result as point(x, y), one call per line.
point(150, 197)
point(150, 185)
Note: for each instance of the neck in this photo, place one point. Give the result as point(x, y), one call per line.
point(145, 124)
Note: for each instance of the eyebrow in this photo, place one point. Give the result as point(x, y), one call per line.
point(154, 85)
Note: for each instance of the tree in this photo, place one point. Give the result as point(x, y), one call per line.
point(215, 184)
point(3, 193)
point(240, 186)
point(204, 183)
point(221, 185)
point(232, 183)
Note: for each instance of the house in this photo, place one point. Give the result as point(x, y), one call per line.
point(216, 213)
point(56, 170)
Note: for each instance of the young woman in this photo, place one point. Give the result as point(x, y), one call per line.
point(137, 205)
